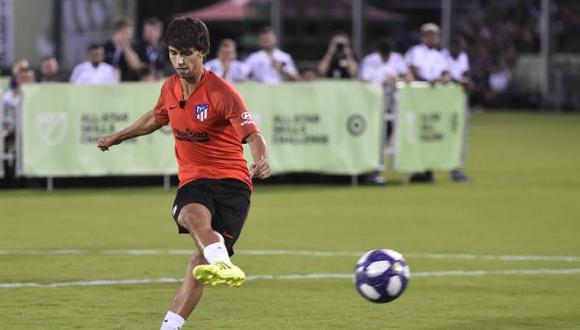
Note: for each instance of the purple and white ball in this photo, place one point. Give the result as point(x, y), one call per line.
point(381, 276)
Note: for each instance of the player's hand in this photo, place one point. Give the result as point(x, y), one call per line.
point(278, 65)
point(261, 169)
point(390, 81)
point(107, 141)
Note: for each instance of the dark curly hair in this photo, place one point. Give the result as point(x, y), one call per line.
point(187, 32)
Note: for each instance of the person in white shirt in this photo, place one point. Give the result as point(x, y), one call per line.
point(428, 63)
point(426, 60)
point(384, 66)
point(13, 97)
point(270, 65)
point(458, 64)
point(12, 100)
point(226, 65)
point(457, 61)
point(95, 70)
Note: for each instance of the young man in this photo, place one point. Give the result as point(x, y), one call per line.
point(210, 122)
point(339, 61)
point(226, 64)
point(150, 49)
point(50, 70)
point(427, 64)
point(119, 51)
point(270, 65)
point(384, 66)
point(94, 70)
point(425, 60)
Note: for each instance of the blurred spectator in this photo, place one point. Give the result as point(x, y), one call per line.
point(428, 63)
point(458, 65)
point(120, 53)
point(147, 73)
point(384, 66)
point(271, 65)
point(339, 61)
point(12, 100)
point(17, 66)
point(457, 61)
point(226, 64)
point(425, 60)
point(151, 50)
point(95, 70)
point(501, 77)
point(309, 74)
point(13, 97)
point(50, 70)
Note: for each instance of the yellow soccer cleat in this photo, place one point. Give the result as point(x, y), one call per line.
point(220, 272)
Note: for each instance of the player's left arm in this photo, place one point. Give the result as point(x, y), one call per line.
point(260, 168)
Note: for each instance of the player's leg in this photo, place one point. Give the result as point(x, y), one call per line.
point(197, 219)
point(186, 298)
point(231, 207)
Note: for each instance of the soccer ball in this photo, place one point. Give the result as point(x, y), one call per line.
point(381, 276)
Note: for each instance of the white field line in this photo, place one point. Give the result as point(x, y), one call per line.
point(293, 277)
point(297, 253)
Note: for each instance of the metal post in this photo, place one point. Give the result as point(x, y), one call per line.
point(357, 27)
point(49, 184)
point(446, 12)
point(166, 182)
point(57, 29)
point(18, 137)
point(545, 49)
point(391, 149)
point(354, 180)
point(558, 88)
point(276, 19)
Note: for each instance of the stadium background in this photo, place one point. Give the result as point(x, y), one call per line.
point(498, 252)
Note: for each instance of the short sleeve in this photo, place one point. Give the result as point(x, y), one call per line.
point(235, 111)
point(160, 110)
point(465, 62)
point(290, 67)
point(410, 56)
point(365, 72)
point(244, 71)
point(250, 63)
point(443, 63)
point(402, 67)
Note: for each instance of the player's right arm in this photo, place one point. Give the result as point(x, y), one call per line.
point(143, 126)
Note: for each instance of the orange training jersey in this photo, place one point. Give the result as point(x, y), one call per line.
point(209, 129)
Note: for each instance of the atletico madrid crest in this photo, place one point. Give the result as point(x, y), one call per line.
point(201, 111)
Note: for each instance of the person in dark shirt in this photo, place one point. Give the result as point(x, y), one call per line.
point(50, 70)
point(120, 53)
point(339, 61)
point(151, 50)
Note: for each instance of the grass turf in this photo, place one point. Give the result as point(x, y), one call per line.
point(523, 200)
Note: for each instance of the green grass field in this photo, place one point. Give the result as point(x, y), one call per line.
point(524, 201)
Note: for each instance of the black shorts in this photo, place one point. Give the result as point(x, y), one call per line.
point(228, 201)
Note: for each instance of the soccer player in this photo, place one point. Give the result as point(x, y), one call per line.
point(209, 122)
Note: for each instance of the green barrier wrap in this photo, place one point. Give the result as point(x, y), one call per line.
point(430, 128)
point(323, 127)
